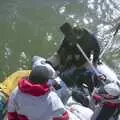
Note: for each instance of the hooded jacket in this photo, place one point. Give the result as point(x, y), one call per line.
point(35, 102)
point(69, 53)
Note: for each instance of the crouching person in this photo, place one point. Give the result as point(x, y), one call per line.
point(34, 100)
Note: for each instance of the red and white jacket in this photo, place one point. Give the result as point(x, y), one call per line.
point(35, 102)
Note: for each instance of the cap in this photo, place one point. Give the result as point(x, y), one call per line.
point(37, 60)
point(44, 70)
point(112, 89)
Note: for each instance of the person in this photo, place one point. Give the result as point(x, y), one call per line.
point(58, 84)
point(70, 61)
point(80, 76)
point(107, 101)
point(68, 54)
point(33, 99)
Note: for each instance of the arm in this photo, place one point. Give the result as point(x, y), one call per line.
point(58, 109)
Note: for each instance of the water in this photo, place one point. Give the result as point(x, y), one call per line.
point(31, 27)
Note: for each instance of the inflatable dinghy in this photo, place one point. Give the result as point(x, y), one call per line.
point(7, 86)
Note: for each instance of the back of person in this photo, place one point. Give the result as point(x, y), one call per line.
point(37, 107)
point(33, 99)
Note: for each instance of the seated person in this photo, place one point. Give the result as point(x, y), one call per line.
point(107, 101)
point(33, 99)
point(59, 85)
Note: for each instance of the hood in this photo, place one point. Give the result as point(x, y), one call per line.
point(27, 87)
point(113, 88)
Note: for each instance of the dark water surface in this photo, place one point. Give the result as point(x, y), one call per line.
point(31, 27)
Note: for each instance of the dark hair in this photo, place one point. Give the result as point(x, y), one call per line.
point(34, 78)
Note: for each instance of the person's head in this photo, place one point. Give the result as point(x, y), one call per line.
point(113, 89)
point(41, 73)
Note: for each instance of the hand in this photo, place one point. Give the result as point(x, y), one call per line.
point(101, 77)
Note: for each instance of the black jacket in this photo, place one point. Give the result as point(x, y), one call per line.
point(69, 53)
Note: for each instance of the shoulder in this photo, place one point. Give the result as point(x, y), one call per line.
point(55, 101)
point(52, 95)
